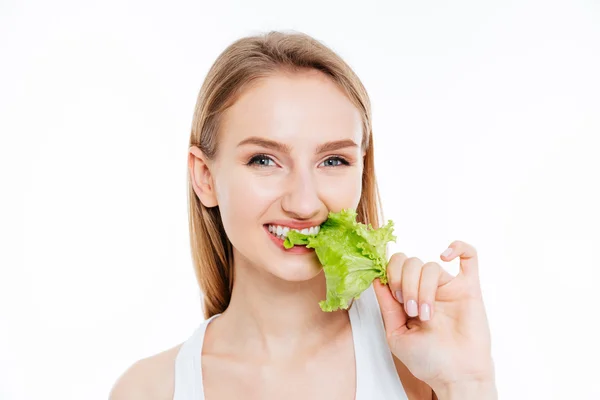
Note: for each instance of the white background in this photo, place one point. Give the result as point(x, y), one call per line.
point(487, 130)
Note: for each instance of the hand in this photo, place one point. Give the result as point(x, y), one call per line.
point(436, 323)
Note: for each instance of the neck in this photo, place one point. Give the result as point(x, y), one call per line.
point(275, 318)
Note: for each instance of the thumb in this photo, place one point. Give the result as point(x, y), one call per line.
point(392, 312)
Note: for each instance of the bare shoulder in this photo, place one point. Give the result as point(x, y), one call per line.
point(415, 388)
point(151, 378)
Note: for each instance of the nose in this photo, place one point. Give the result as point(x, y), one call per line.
point(301, 199)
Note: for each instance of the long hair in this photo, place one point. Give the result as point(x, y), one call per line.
point(242, 62)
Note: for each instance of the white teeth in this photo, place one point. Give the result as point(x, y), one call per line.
point(282, 231)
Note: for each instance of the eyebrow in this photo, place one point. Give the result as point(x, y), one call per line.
point(284, 148)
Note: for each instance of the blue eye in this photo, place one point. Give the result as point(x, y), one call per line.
point(261, 160)
point(334, 162)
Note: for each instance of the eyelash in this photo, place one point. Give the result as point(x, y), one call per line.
point(251, 162)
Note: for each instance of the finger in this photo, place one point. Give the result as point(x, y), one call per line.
point(394, 274)
point(411, 275)
point(392, 312)
point(469, 263)
point(431, 273)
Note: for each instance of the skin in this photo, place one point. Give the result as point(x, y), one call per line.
point(294, 350)
point(449, 349)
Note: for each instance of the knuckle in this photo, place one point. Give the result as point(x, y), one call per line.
point(414, 262)
point(411, 277)
point(429, 279)
point(397, 258)
point(394, 275)
point(394, 281)
point(431, 267)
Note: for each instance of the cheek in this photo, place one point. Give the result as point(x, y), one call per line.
point(343, 192)
point(243, 200)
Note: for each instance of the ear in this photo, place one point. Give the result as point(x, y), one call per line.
point(201, 177)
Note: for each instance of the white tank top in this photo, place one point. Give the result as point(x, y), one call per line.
point(376, 376)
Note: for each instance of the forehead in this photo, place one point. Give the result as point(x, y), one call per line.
point(297, 108)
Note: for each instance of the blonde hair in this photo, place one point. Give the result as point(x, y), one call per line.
point(244, 61)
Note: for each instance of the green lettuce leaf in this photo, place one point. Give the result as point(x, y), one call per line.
point(352, 254)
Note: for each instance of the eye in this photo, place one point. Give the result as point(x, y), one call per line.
point(334, 162)
point(261, 160)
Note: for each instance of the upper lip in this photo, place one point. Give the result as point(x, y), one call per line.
point(295, 224)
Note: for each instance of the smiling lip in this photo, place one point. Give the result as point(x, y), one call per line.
point(297, 249)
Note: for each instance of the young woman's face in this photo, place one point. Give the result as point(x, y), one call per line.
point(289, 152)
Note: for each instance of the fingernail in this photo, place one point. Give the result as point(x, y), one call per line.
point(411, 308)
point(399, 296)
point(425, 312)
point(447, 252)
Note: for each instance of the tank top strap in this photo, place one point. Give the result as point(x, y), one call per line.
point(375, 369)
point(188, 366)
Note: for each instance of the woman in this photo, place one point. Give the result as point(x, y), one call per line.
point(281, 136)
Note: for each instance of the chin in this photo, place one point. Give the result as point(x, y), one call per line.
point(298, 270)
